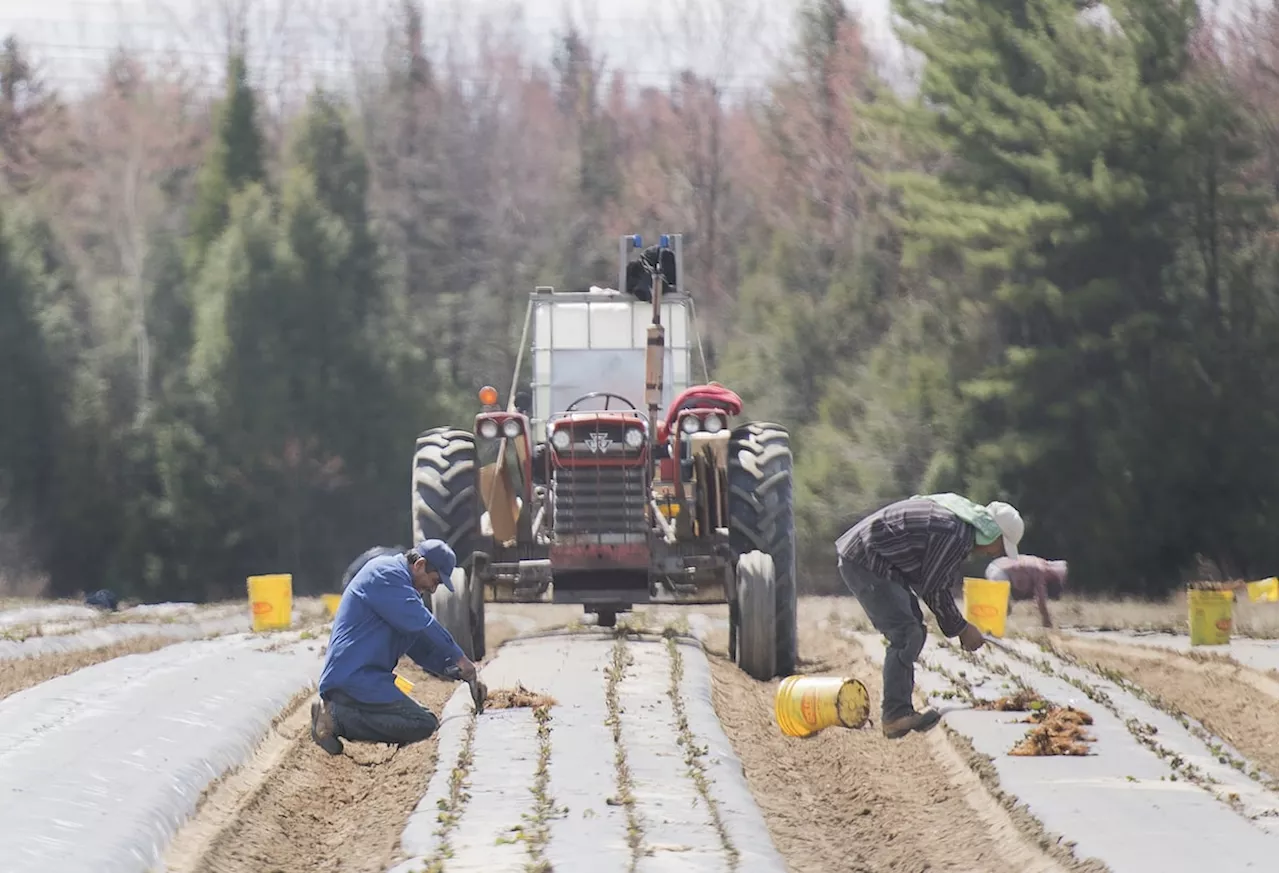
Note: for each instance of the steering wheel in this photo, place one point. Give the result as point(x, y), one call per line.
point(605, 394)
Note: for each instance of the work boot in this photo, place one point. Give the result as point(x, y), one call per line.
point(897, 728)
point(324, 731)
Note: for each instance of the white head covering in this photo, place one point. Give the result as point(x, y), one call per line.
point(1011, 526)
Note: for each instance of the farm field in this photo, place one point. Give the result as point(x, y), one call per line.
point(173, 738)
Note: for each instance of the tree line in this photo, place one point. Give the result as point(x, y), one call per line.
point(1048, 274)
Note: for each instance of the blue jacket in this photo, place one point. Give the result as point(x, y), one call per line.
point(381, 619)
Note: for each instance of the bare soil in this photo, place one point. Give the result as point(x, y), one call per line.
point(1229, 700)
point(295, 809)
point(22, 673)
point(846, 801)
point(307, 812)
point(839, 802)
point(843, 801)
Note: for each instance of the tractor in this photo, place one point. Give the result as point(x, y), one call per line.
point(614, 479)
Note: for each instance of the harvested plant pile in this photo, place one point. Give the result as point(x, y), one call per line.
point(1058, 730)
point(1025, 700)
point(516, 698)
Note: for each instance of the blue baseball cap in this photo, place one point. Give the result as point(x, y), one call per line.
point(440, 556)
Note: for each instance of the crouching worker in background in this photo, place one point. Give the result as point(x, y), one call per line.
point(916, 547)
point(1031, 577)
point(382, 617)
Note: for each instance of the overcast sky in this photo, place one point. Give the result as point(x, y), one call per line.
point(72, 37)
point(740, 41)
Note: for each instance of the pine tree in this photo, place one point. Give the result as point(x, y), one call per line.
point(32, 384)
point(1058, 211)
point(237, 159)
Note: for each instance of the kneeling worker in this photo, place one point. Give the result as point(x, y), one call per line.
point(382, 618)
point(912, 547)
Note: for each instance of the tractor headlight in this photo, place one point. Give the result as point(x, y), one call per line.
point(634, 438)
point(488, 428)
point(690, 424)
point(713, 423)
point(511, 428)
point(560, 439)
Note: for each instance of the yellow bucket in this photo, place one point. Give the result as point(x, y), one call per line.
point(1266, 591)
point(331, 602)
point(1210, 617)
point(805, 705)
point(986, 604)
point(271, 601)
point(403, 684)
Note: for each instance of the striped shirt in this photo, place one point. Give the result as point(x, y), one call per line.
point(919, 545)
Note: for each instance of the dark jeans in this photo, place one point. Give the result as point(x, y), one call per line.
point(399, 723)
point(895, 612)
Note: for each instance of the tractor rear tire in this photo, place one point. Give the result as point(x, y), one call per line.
point(454, 610)
point(762, 518)
point(758, 632)
point(368, 555)
point(444, 490)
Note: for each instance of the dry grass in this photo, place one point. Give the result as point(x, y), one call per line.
point(22, 586)
point(516, 698)
point(1057, 731)
point(1257, 620)
point(1024, 700)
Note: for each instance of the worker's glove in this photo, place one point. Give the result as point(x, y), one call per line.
point(971, 638)
point(479, 691)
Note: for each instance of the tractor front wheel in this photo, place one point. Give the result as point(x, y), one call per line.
point(762, 518)
point(757, 610)
point(456, 610)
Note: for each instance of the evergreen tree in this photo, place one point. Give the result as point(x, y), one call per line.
point(235, 160)
point(32, 384)
point(1059, 211)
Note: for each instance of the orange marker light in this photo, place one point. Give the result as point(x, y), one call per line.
point(488, 396)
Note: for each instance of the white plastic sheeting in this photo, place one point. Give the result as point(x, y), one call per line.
point(728, 783)
point(169, 609)
point(29, 615)
point(590, 834)
point(194, 627)
point(1258, 654)
point(98, 768)
point(1118, 804)
point(678, 826)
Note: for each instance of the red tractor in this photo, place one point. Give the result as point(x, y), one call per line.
point(591, 498)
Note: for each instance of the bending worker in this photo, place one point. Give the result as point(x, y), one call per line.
point(916, 547)
point(382, 617)
point(1029, 576)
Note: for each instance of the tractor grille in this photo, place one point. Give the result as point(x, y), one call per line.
point(600, 500)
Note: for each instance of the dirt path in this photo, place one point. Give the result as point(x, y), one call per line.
point(294, 809)
point(841, 802)
point(1233, 702)
point(853, 802)
point(22, 673)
